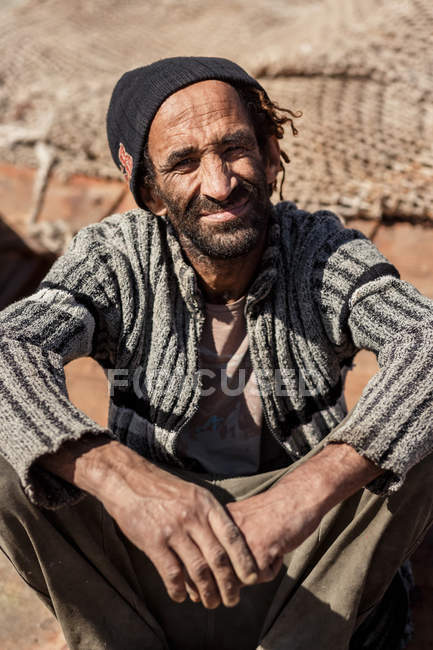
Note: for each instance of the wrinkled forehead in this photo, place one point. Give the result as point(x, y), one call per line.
point(196, 108)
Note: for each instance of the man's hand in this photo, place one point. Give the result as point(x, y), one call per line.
point(277, 521)
point(185, 532)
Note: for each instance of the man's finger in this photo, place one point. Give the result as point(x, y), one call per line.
point(171, 572)
point(197, 569)
point(232, 540)
point(220, 565)
point(270, 572)
point(189, 586)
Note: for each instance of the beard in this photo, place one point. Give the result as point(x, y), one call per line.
point(225, 240)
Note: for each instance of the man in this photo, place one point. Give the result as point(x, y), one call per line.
point(214, 517)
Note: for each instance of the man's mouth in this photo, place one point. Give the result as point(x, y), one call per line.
point(227, 214)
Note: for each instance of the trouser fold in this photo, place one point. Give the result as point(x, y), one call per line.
point(106, 594)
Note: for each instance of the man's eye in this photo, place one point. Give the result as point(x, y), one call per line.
point(186, 163)
point(235, 150)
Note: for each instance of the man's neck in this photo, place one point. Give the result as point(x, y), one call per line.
point(224, 281)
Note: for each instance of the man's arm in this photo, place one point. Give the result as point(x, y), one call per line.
point(280, 519)
point(74, 313)
point(78, 311)
point(186, 533)
point(362, 304)
point(353, 299)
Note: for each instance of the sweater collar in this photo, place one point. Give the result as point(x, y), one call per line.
point(262, 284)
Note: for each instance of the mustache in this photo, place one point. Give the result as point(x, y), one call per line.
point(198, 204)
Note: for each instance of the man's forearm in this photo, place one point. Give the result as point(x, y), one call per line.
point(332, 475)
point(278, 520)
point(80, 462)
point(100, 465)
point(329, 477)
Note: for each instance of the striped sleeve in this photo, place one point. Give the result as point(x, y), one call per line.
point(392, 423)
point(71, 315)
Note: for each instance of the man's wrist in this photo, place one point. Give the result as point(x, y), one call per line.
point(343, 471)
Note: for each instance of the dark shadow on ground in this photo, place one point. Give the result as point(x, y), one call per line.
point(21, 268)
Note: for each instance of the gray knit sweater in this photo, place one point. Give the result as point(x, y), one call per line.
point(124, 294)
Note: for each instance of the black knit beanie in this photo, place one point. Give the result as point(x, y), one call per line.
point(139, 93)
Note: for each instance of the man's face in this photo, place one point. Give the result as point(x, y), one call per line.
point(210, 177)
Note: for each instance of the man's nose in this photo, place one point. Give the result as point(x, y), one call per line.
point(217, 179)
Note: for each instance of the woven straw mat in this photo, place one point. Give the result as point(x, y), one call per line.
point(360, 71)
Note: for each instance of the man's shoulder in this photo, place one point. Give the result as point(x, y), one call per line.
point(291, 216)
point(312, 241)
point(119, 223)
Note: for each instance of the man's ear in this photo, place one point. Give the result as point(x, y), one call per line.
point(152, 200)
point(273, 162)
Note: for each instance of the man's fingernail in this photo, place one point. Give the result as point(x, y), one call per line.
point(251, 578)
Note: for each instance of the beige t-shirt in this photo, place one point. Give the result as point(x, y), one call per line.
point(224, 436)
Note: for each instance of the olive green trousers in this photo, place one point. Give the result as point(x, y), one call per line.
point(107, 595)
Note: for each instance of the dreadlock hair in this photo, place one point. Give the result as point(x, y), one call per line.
point(267, 118)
